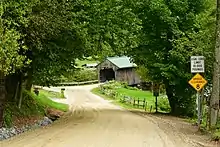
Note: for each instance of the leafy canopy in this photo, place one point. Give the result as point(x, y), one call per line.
point(173, 31)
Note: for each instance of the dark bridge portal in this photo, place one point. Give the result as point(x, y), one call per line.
point(107, 75)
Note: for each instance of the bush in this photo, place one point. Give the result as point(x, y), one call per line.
point(8, 117)
point(29, 107)
point(81, 75)
point(112, 85)
point(163, 104)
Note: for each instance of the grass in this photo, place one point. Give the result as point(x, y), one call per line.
point(46, 102)
point(116, 102)
point(132, 93)
point(32, 106)
point(216, 135)
point(50, 94)
point(150, 99)
point(86, 61)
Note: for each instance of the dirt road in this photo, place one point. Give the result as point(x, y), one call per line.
point(94, 122)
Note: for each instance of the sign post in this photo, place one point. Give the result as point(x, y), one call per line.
point(198, 82)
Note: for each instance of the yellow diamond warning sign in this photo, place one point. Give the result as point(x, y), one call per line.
point(198, 82)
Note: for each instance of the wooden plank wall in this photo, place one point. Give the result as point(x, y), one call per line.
point(127, 75)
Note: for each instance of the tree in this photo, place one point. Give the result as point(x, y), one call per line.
point(42, 38)
point(11, 59)
point(82, 28)
point(171, 30)
point(214, 102)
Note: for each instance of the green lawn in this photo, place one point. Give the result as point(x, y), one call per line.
point(43, 100)
point(163, 104)
point(116, 102)
point(50, 94)
point(150, 99)
point(86, 61)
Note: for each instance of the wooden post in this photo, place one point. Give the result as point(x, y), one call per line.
point(151, 108)
point(20, 97)
point(17, 91)
point(145, 107)
point(156, 104)
point(98, 71)
point(138, 102)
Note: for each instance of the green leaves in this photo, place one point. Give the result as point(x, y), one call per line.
point(10, 57)
point(173, 31)
point(61, 31)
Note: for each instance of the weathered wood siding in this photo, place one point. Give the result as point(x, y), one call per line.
point(127, 75)
point(106, 64)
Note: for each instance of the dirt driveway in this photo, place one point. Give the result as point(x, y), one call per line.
point(94, 122)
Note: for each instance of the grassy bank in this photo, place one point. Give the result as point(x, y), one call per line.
point(116, 102)
point(44, 101)
point(131, 93)
point(32, 107)
point(51, 94)
point(121, 90)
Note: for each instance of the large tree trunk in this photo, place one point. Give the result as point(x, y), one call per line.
point(11, 82)
point(214, 102)
point(2, 98)
point(171, 99)
point(29, 81)
point(20, 92)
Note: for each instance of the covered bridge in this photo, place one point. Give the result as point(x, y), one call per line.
point(119, 69)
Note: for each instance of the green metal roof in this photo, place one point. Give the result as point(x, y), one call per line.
point(122, 62)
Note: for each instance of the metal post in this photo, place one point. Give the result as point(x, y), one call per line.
point(199, 109)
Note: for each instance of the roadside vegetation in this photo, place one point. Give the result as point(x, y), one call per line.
point(33, 107)
point(81, 74)
point(118, 92)
point(50, 94)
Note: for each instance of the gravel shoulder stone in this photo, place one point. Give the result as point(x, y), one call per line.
point(6, 133)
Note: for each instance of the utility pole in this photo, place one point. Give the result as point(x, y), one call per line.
point(214, 101)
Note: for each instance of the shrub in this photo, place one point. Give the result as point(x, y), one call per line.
point(8, 116)
point(81, 75)
point(163, 104)
point(112, 85)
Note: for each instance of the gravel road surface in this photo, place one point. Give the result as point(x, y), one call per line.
point(94, 122)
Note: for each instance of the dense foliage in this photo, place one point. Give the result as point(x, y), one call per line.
point(40, 41)
point(172, 32)
point(80, 75)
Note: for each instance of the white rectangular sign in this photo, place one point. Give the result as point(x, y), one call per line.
point(197, 64)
